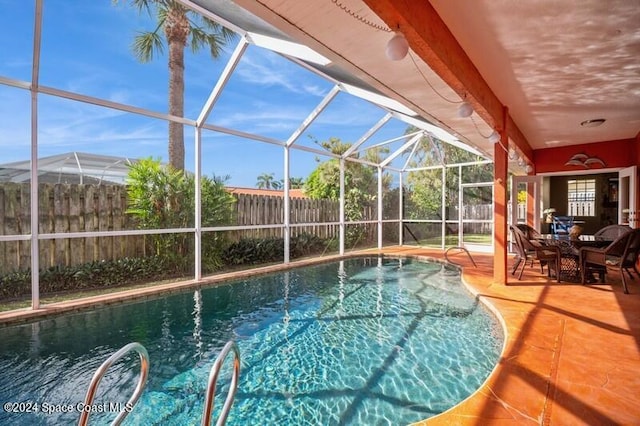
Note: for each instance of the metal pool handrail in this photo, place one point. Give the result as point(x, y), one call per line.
point(102, 370)
point(446, 255)
point(213, 379)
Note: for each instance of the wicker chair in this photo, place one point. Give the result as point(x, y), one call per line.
point(530, 232)
point(622, 253)
point(611, 232)
point(527, 249)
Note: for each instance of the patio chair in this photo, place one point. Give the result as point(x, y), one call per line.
point(533, 250)
point(530, 232)
point(611, 232)
point(622, 254)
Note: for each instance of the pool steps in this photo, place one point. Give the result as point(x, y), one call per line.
point(144, 372)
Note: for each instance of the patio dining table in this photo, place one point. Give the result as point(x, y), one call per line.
point(570, 252)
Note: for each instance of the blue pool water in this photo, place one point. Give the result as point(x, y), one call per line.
point(365, 341)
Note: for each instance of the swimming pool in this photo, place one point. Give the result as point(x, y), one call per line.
point(361, 341)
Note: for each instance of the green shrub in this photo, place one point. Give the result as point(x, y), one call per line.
point(264, 250)
point(254, 250)
point(125, 271)
point(306, 244)
point(100, 274)
point(161, 197)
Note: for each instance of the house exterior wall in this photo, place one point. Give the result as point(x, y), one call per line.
point(615, 154)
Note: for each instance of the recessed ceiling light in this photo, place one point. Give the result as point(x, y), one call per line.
point(593, 123)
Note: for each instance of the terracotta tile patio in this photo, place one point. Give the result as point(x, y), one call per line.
point(571, 356)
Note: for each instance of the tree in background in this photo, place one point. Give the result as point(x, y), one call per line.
point(424, 187)
point(180, 27)
point(296, 183)
point(361, 184)
point(266, 181)
point(162, 197)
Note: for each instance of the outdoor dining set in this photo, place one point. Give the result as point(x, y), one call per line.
point(571, 257)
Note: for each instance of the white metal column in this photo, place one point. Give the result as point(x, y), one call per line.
point(443, 230)
point(400, 211)
point(460, 209)
point(198, 205)
point(342, 225)
point(379, 208)
point(286, 219)
point(200, 122)
point(33, 194)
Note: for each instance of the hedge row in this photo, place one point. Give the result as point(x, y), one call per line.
point(126, 271)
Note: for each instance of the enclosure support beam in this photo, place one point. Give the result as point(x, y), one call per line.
point(367, 135)
point(400, 209)
point(198, 204)
point(342, 230)
point(413, 141)
point(379, 208)
point(314, 114)
point(204, 114)
point(35, 264)
point(233, 62)
point(443, 208)
point(286, 218)
point(460, 210)
point(34, 211)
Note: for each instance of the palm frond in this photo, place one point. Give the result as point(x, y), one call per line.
point(198, 38)
point(145, 44)
point(214, 27)
point(207, 32)
point(143, 5)
point(162, 13)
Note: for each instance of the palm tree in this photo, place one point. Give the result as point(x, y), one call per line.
point(265, 181)
point(296, 182)
point(277, 184)
point(181, 27)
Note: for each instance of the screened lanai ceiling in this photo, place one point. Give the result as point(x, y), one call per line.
point(260, 33)
point(470, 134)
point(554, 64)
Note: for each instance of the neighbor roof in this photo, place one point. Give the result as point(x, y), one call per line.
point(71, 167)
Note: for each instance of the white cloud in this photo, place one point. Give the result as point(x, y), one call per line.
point(265, 68)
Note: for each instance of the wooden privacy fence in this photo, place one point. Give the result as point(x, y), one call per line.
point(269, 210)
point(478, 212)
point(66, 208)
point(89, 208)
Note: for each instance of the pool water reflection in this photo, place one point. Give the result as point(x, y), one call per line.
point(362, 341)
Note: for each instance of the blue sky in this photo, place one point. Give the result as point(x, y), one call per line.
point(86, 48)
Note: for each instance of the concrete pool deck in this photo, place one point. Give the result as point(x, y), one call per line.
point(571, 357)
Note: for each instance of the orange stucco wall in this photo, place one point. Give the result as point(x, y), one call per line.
point(619, 153)
point(615, 154)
